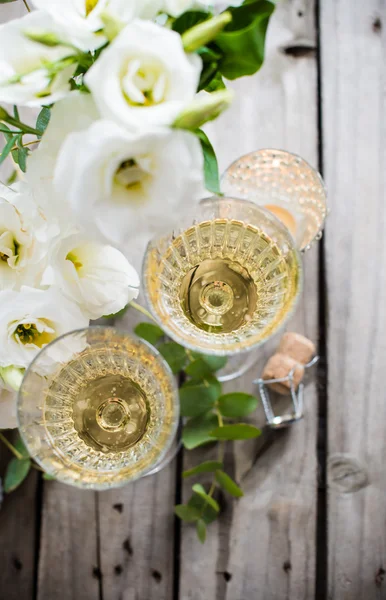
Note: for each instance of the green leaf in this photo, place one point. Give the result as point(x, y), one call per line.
point(21, 155)
point(188, 20)
point(187, 513)
point(48, 477)
point(209, 466)
point(17, 471)
point(204, 365)
point(175, 356)
point(20, 447)
point(228, 484)
point(212, 180)
point(239, 431)
point(16, 112)
point(196, 431)
point(206, 512)
point(149, 332)
point(243, 39)
point(12, 178)
point(216, 83)
point(43, 119)
point(201, 530)
point(198, 489)
point(197, 399)
point(237, 404)
point(7, 148)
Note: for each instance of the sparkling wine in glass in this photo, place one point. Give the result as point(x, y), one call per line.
point(103, 413)
point(224, 280)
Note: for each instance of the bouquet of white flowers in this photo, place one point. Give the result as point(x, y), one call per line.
point(123, 88)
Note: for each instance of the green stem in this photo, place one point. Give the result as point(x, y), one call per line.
point(142, 310)
point(10, 447)
point(25, 128)
point(26, 5)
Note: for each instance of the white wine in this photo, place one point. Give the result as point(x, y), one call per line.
point(106, 414)
point(222, 284)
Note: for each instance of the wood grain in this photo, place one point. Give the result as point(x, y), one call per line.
point(263, 546)
point(354, 109)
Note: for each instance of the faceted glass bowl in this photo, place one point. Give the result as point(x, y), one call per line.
point(285, 184)
point(54, 381)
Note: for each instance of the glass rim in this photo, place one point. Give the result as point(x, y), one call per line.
point(218, 351)
point(317, 236)
point(175, 403)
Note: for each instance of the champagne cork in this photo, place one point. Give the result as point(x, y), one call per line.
point(280, 365)
point(297, 347)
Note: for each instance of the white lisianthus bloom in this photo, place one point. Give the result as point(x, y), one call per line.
point(175, 8)
point(126, 182)
point(144, 77)
point(30, 319)
point(98, 277)
point(24, 237)
point(82, 18)
point(32, 74)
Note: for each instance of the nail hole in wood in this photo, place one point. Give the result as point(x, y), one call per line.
point(118, 569)
point(156, 575)
point(97, 573)
point(299, 51)
point(227, 576)
point(17, 563)
point(300, 13)
point(127, 547)
point(379, 577)
point(118, 507)
point(287, 566)
point(377, 25)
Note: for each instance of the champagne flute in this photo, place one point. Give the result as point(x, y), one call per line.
point(98, 408)
point(225, 280)
point(285, 184)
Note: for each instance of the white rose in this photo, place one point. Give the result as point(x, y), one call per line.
point(82, 18)
point(32, 318)
point(98, 277)
point(127, 183)
point(144, 77)
point(24, 237)
point(27, 72)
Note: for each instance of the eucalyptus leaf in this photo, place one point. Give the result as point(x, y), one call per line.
point(12, 178)
point(187, 513)
point(196, 430)
point(17, 471)
point(197, 399)
point(198, 489)
point(7, 148)
point(209, 466)
point(237, 404)
point(212, 180)
point(243, 39)
point(206, 512)
point(149, 332)
point(201, 530)
point(239, 431)
point(43, 119)
point(205, 365)
point(175, 356)
point(228, 484)
point(20, 447)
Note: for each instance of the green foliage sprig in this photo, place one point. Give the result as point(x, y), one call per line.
point(208, 417)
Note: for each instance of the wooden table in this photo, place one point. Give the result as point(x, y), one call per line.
point(312, 523)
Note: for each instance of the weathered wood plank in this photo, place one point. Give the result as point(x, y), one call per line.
point(263, 546)
point(354, 108)
point(136, 526)
point(17, 537)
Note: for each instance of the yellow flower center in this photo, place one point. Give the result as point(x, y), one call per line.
point(74, 259)
point(90, 5)
point(28, 333)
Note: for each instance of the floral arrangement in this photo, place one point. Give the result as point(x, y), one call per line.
point(122, 89)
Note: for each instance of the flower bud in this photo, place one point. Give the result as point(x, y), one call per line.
point(47, 38)
point(12, 376)
point(205, 32)
point(204, 107)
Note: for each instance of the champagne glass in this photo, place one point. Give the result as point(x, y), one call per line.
point(285, 184)
point(224, 280)
point(98, 408)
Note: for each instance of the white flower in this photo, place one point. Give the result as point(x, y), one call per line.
point(24, 237)
point(8, 399)
point(175, 8)
point(98, 277)
point(144, 77)
point(32, 318)
point(82, 18)
point(128, 182)
point(30, 73)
